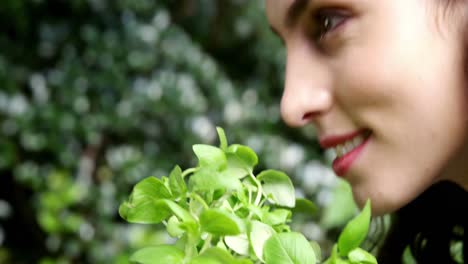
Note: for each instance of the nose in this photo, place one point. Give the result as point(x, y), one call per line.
point(307, 94)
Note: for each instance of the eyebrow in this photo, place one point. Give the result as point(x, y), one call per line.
point(293, 14)
point(295, 11)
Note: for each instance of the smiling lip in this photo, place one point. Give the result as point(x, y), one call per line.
point(342, 164)
point(333, 141)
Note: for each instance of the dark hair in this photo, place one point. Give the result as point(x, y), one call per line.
point(429, 225)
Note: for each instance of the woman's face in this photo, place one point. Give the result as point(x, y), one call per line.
point(388, 72)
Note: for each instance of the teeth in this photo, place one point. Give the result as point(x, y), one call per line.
point(348, 146)
point(358, 140)
point(343, 149)
point(339, 150)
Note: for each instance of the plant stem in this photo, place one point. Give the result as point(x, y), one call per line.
point(261, 203)
point(199, 199)
point(190, 249)
point(207, 244)
point(237, 207)
point(259, 189)
point(220, 201)
point(188, 171)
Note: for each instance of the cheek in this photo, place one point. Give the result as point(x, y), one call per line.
point(391, 82)
point(381, 68)
point(365, 87)
point(418, 112)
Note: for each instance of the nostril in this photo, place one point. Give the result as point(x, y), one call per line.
point(309, 116)
point(306, 116)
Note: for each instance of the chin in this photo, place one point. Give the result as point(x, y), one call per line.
point(382, 202)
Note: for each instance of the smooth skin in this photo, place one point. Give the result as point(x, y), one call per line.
point(394, 67)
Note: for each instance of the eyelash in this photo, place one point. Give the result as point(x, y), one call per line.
point(325, 21)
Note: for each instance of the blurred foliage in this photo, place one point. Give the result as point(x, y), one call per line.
point(98, 94)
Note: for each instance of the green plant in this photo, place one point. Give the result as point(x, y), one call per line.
point(99, 96)
point(221, 212)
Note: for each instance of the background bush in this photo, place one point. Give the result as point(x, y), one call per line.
point(98, 94)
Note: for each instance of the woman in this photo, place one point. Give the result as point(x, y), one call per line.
point(384, 84)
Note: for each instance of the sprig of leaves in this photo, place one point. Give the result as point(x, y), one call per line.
point(347, 250)
point(220, 212)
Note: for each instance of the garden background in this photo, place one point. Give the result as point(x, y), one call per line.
point(96, 95)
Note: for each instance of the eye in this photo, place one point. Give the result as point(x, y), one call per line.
point(325, 21)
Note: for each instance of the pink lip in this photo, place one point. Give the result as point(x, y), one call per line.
point(343, 164)
point(334, 140)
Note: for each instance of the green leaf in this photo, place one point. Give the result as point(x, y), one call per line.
point(226, 206)
point(456, 250)
point(334, 258)
point(283, 228)
point(157, 255)
point(258, 235)
point(256, 211)
point(209, 156)
point(149, 188)
point(173, 227)
point(278, 186)
point(238, 244)
point(217, 255)
point(304, 207)
point(141, 207)
point(317, 250)
point(276, 217)
point(355, 231)
point(342, 208)
point(196, 206)
point(408, 257)
point(221, 245)
point(236, 166)
point(333, 255)
point(242, 196)
point(176, 182)
point(246, 155)
point(235, 172)
point(143, 212)
point(289, 248)
point(222, 138)
point(360, 256)
point(181, 242)
point(165, 181)
point(219, 222)
point(207, 179)
point(180, 212)
point(249, 184)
